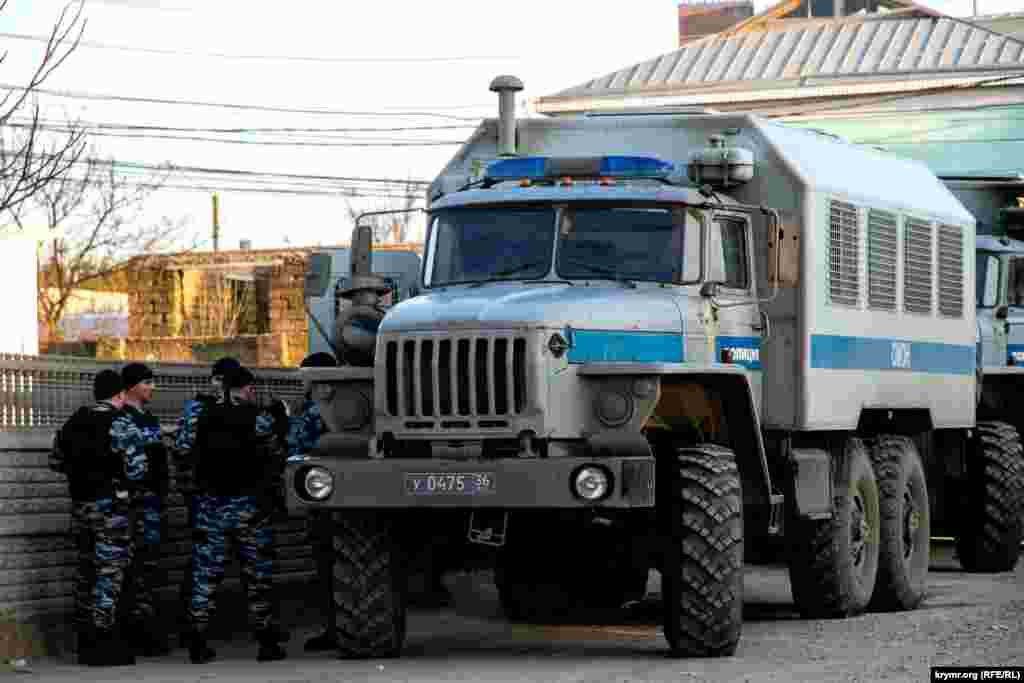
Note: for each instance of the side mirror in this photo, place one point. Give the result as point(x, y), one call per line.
point(1002, 312)
point(318, 275)
point(709, 290)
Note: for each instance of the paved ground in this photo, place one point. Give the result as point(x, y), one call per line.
point(966, 620)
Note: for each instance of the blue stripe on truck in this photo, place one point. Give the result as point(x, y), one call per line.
point(835, 352)
point(602, 346)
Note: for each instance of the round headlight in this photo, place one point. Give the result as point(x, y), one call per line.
point(592, 483)
point(318, 483)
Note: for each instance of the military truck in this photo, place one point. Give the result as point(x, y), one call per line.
point(674, 341)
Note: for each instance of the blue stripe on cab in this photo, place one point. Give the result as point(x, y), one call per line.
point(602, 346)
point(835, 352)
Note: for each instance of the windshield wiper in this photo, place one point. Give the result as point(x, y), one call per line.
point(600, 270)
point(518, 269)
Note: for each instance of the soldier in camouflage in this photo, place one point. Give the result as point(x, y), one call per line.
point(185, 456)
point(148, 499)
point(238, 477)
point(93, 449)
point(306, 428)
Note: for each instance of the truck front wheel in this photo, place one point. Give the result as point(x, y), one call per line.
point(369, 587)
point(991, 532)
point(701, 512)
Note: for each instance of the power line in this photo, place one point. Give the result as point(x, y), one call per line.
point(105, 97)
point(287, 129)
point(279, 58)
point(282, 143)
point(302, 192)
point(245, 173)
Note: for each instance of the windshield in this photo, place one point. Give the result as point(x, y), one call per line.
point(656, 244)
point(486, 244)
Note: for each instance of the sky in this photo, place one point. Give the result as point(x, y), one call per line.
point(328, 70)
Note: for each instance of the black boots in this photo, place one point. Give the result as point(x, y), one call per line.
point(104, 648)
point(328, 640)
point(270, 647)
point(145, 642)
point(198, 650)
point(86, 646)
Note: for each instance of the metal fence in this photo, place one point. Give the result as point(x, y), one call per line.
point(40, 392)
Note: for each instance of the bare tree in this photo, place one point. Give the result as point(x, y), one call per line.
point(30, 158)
point(395, 227)
point(221, 307)
point(93, 219)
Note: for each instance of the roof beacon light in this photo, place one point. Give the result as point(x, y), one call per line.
point(553, 168)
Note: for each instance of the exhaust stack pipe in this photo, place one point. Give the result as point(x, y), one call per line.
point(506, 87)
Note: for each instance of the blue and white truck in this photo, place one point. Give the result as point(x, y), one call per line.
point(673, 341)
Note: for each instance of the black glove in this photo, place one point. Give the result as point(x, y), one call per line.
point(156, 457)
point(278, 410)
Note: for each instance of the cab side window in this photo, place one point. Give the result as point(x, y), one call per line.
point(728, 264)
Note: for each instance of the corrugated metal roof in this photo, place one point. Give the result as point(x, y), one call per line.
point(891, 47)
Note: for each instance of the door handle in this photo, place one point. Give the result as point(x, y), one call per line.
point(764, 326)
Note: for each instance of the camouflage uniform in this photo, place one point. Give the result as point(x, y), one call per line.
point(147, 500)
point(185, 467)
point(101, 523)
point(304, 432)
point(244, 512)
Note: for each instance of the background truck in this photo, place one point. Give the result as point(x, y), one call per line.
point(674, 342)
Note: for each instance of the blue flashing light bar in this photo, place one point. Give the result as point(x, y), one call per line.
point(538, 168)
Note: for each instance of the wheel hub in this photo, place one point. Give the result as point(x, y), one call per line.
point(859, 530)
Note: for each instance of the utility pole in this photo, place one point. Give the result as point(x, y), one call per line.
point(216, 222)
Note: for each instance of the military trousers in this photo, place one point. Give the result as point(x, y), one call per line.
point(102, 530)
point(247, 520)
point(143, 574)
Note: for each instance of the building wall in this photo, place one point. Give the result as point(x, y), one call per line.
point(20, 331)
point(702, 18)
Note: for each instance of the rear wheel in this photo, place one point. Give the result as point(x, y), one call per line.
point(833, 563)
point(905, 531)
point(993, 523)
point(369, 587)
point(701, 510)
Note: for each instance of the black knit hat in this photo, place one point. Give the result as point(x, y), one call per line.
point(225, 365)
point(238, 378)
point(133, 373)
point(107, 384)
point(320, 359)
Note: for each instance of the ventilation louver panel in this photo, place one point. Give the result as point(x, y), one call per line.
point(951, 271)
point(917, 269)
point(882, 255)
point(843, 254)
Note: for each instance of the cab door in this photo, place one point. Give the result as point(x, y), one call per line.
point(730, 264)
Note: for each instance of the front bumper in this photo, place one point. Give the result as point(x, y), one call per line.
point(517, 482)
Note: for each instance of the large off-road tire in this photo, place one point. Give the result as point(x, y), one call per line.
point(833, 563)
point(991, 533)
point(905, 533)
point(701, 509)
point(570, 574)
point(369, 587)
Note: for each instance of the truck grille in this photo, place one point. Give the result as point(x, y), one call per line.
point(469, 376)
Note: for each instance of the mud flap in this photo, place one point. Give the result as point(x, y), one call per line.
point(812, 483)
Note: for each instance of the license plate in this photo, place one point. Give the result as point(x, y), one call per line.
point(449, 483)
